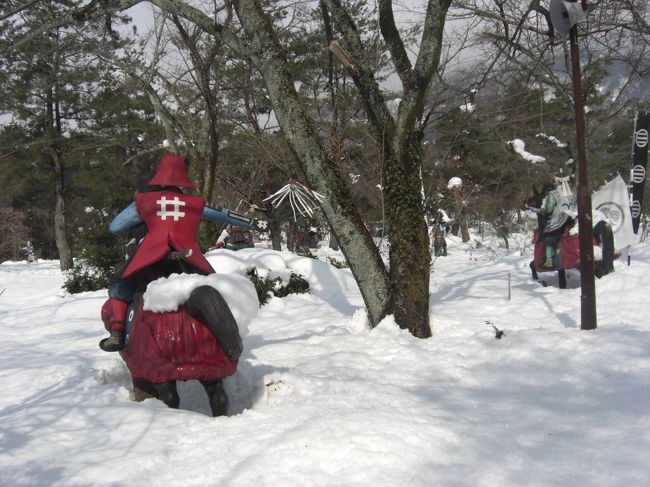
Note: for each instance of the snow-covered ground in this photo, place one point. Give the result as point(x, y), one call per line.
point(319, 399)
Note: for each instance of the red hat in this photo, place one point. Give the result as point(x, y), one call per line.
point(171, 171)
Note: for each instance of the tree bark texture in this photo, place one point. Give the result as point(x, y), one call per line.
point(60, 235)
point(269, 212)
point(54, 131)
point(410, 256)
point(410, 253)
point(461, 217)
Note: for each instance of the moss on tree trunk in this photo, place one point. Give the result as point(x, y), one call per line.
point(410, 256)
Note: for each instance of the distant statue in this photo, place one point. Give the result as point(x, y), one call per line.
point(441, 223)
point(557, 210)
point(27, 251)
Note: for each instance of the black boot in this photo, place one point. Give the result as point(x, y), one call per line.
point(114, 343)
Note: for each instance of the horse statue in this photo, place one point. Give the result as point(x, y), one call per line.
point(180, 327)
point(165, 312)
point(567, 250)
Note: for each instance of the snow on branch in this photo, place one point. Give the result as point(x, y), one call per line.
point(552, 139)
point(455, 183)
point(519, 146)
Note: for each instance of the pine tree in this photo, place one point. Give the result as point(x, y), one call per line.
point(73, 120)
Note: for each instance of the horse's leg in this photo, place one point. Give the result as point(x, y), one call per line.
point(216, 396)
point(167, 393)
point(142, 390)
point(599, 265)
point(561, 276)
point(603, 232)
point(533, 270)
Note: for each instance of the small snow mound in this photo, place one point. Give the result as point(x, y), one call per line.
point(359, 323)
point(389, 326)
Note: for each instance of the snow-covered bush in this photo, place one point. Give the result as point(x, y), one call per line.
point(267, 286)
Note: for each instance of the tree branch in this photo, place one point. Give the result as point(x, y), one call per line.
point(71, 17)
point(394, 42)
point(373, 100)
point(203, 21)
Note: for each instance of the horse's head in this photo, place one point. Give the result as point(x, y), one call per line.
point(535, 201)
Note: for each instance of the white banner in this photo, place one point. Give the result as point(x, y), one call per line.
point(613, 201)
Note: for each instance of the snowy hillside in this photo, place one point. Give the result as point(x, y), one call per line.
point(321, 400)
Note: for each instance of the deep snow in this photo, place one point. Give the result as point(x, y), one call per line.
point(319, 399)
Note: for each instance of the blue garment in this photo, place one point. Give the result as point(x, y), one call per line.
point(129, 218)
point(123, 289)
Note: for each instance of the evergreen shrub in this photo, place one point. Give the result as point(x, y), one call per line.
point(98, 255)
point(267, 287)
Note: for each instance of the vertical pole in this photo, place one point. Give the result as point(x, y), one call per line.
point(640, 142)
point(587, 275)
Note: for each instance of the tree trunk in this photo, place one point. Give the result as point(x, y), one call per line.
point(54, 132)
point(318, 168)
point(276, 234)
point(269, 211)
point(60, 235)
point(460, 218)
point(410, 256)
point(332, 86)
point(291, 236)
point(464, 230)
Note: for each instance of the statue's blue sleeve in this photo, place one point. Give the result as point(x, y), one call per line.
point(125, 220)
point(225, 216)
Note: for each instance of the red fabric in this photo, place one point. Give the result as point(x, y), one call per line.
point(119, 314)
point(171, 171)
point(172, 221)
point(107, 313)
point(114, 314)
point(174, 346)
point(569, 251)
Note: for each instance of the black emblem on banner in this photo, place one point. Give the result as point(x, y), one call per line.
point(639, 163)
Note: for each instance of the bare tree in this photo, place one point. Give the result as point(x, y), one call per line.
point(520, 42)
